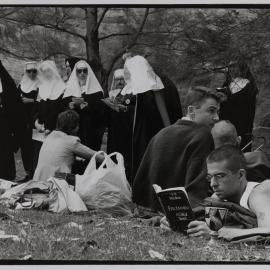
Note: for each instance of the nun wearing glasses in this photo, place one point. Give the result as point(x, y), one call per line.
point(83, 94)
point(28, 89)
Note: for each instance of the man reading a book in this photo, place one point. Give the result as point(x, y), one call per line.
point(226, 167)
point(176, 156)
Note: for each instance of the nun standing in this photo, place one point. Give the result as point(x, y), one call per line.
point(50, 93)
point(83, 94)
point(120, 119)
point(28, 89)
point(153, 110)
point(12, 122)
point(51, 89)
point(240, 105)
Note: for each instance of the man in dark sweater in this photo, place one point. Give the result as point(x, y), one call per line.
point(176, 156)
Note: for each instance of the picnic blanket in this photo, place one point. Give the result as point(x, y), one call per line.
point(54, 195)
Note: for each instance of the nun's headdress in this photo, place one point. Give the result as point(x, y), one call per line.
point(51, 87)
point(74, 89)
point(27, 85)
point(140, 77)
point(118, 74)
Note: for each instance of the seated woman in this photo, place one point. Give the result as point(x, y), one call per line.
point(59, 149)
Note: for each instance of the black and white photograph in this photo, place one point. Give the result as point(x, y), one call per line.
point(134, 133)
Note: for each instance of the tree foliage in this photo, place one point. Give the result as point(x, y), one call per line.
point(184, 41)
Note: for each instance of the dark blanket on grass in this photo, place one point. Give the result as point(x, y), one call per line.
point(237, 216)
point(258, 166)
point(175, 157)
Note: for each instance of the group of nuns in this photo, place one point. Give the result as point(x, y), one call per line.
point(34, 105)
point(149, 98)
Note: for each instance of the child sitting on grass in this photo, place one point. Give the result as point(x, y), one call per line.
point(60, 148)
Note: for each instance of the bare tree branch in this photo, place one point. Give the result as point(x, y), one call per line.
point(6, 51)
point(114, 35)
point(132, 42)
point(11, 12)
point(61, 29)
point(47, 26)
point(141, 33)
point(101, 18)
point(57, 53)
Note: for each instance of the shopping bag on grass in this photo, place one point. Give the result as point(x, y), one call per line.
point(105, 187)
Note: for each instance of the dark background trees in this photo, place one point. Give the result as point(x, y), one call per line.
point(190, 44)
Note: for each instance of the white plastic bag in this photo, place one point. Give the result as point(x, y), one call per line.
point(5, 185)
point(105, 187)
point(65, 197)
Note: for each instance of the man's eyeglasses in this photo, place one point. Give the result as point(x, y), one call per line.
point(82, 70)
point(31, 71)
point(218, 176)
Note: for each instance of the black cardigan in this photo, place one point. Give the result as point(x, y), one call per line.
point(175, 157)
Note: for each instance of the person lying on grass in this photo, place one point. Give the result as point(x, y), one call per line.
point(226, 167)
point(59, 149)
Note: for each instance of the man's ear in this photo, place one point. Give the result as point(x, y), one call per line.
point(191, 112)
point(243, 173)
point(190, 109)
point(238, 140)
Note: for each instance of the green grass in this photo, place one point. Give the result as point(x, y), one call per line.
point(45, 236)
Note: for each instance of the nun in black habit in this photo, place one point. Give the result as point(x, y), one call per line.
point(12, 122)
point(51, 89)
point(83, 93)
point(120, 120)
point(156, 106)
point(28, 89)
point(240, 105)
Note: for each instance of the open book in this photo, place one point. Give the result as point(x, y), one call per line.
point(176, 206)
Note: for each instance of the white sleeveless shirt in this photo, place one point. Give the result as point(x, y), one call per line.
point(244, 199)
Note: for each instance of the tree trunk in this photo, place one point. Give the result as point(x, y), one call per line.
point(92, 44)
point(92, 47)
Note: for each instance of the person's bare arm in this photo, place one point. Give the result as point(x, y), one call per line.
point(259, 203)
point(215, 197)
point(86, 152)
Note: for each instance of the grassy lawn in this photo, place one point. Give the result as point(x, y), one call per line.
point(96, 236)
point(100, 236)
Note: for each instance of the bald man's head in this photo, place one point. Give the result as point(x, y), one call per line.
point(224, 132)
